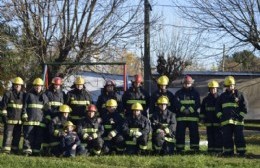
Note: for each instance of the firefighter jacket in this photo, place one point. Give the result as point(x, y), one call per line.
point(104, 97)
point(56, 126)
point(208, 112)
point(90, 127)
point(112, 123)
point(163, 120)
point(56, 99)
point(153, 103)
point(34, 108)
point(78, 100)
point(134, 95)
point(187, 104)
point(11, 106)
point(136, 124)
point(231, 108)
point(69, 139)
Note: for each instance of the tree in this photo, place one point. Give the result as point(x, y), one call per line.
point(175, 52)
point(242, 61)
point(71, 30)
point(238, 19)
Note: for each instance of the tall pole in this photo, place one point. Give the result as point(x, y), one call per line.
point(223, 59)
point(147, 65)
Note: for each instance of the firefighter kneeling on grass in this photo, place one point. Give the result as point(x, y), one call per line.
point(90, 131)
point(231, 110)
point(56, 129)
point(163, 128)
point(112, 122)
point(136, 129)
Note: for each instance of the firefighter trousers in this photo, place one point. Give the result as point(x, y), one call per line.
point(236, 131)
point(136, 145)
point(115, 144)
point(161, 145)
point(33, 137)
point(94, 146)
point(215, 139)
point(12, 136)
point(193, 133)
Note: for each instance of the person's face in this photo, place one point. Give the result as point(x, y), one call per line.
point(162, 106)
point(231, 87)
point(57, 87)
point(17, 87)
point(213, 90)
point(79, 87)
point(110, 88)
point(163, 87)
point(91, 114)
point(38, 88)
point(65, 115)
point(70, 128)
point(111, 109)
point(187, 85)
point(136, 113)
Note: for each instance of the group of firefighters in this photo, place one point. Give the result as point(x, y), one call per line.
point(60, 124)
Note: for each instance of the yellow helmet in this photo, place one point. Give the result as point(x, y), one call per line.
point(18, 81)
point(136, 106)
point(69, 123)
point(163, 80)
point(64, 108)
point(229, 80)
point(111, 103)
point(213, 84)
point(79, 81)
point(38, 81)
point(163, 100)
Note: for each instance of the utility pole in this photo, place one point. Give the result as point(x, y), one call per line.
point(147, 65)
point(223, 59)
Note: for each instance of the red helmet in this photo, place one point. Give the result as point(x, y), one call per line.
point(57, 81)
point(110, 83)
point(92, 107)
point(188, 79)
point(138, 78)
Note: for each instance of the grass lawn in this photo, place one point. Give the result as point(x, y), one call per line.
point(252, 159)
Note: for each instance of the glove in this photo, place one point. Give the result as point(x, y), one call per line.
point(85, 136)
point(24, 117)
point(137, 134)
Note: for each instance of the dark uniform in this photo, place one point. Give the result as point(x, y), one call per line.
point(56, 133)
point(187, 100)
point(103, 98)
point(35, 107)
point(210, 120)
point(90, 131)
point(163, 132)
point(78, 100)
point(11, 107)
point(68, 141)
point(231, 110)
point(133, 95)
point(112, 123)
point(131, 126)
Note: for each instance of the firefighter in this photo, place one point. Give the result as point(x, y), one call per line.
point(231, 110)
point(162, 83)
point(163, 128)
point(34, 109)
point(11, 108)
point(56, 98)
point(108, 92)
point(135, 94)
point(90, 131)
point(112, 122)
point(136, 129)
point(78, 98)
point(71, 144)
point(187, 104)
point(210, 120)
point(56, 131)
